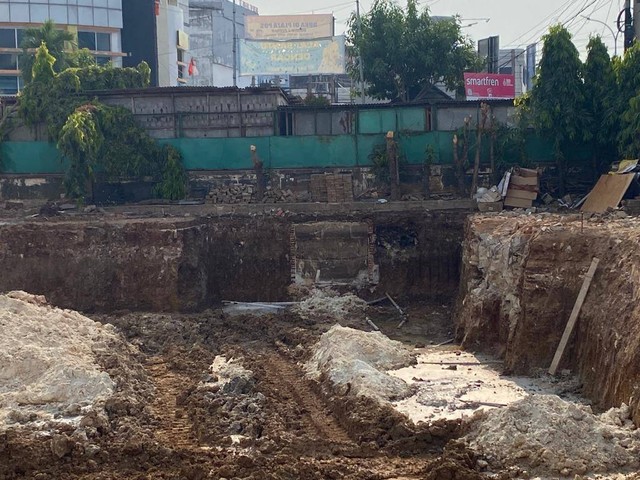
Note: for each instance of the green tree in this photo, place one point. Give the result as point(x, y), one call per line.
point(628, 74)
point(56, 41)
point(404, 51)
point(601, 95)
point(557, 100)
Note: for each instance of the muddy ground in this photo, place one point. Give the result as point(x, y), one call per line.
point(170, 420)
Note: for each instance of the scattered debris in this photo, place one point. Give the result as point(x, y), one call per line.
point(328, 303)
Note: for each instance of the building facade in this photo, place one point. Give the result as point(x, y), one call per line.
point(97, 25)
point(155, 31)
point(211, 26)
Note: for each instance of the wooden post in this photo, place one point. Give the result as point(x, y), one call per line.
point(258, 168)
point(574, 316)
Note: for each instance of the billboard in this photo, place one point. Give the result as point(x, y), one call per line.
point(305, 57)
point(288, 27)
point(481, 86)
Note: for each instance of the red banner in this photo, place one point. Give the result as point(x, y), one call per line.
point(481, 86)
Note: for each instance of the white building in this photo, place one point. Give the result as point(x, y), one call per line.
point(211, 25)
point(97, 25)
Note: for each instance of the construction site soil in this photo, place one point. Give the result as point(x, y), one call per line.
point(196, 392)
point(169, 419)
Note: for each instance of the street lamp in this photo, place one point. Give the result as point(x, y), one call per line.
point(615, 35)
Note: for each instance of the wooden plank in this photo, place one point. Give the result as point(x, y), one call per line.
point(574, 316)
point(524, 181)
point(525, 172)
point(607, 193)
point(517, 202)
point(524, 194)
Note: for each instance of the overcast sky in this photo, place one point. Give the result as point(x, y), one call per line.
point(517, 22)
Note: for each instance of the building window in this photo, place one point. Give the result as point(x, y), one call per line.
point(103, 42)
point(87, 40)
point(8, 85)
point(103, 60)
point(8, 61)
point(7, 38)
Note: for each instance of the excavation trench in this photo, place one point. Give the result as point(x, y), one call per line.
point(502, 285)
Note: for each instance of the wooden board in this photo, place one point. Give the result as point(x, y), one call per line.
point(607, 193)
point(517, 202)
point(524, 194)
point(525, 172)
point(574, 316)
point(524, 181)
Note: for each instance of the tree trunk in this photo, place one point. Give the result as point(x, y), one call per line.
point(392, 159)
point(492, 158)
point(476, 162)
point(459, 164)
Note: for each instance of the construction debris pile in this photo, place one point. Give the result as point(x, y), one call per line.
point(355, 362)
point(548, 436)
point(518, 188)
point(48, 365)
point(328, 303)
point(241, 193)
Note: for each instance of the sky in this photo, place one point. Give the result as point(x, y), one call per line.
point(517, 22)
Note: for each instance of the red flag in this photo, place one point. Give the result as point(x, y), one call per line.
point(193, 67)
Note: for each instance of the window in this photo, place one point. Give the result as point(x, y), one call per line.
point(8, 85)
point(103, 60)
point(8, 61)
point(96, 41)
point(87, 40)
point(103, 42)
point(7, 38)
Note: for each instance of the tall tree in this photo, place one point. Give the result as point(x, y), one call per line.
point(403, 51)
point(628, 75)
point(601, 95)
point(56, 41)
point(557, 100)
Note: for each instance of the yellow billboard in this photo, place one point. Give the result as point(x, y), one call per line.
point(288, 27)
point(305, 57)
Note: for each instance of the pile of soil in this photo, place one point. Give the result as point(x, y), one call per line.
point(48, 361)
point(549, 436)
point(357, 362)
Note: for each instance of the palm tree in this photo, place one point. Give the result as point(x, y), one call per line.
point(54, 38)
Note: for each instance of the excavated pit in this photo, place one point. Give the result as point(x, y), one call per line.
point(510, 281)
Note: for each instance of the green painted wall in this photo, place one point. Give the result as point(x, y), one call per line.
point(283, 152)
point(30, 157)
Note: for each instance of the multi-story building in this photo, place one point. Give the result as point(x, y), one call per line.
point(155, 31)
point(96, 24)
point(211, 27)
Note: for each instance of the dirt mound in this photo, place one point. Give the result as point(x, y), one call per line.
point(48, 361)
point(357, 361)
point(328, 303)
point(550, 436)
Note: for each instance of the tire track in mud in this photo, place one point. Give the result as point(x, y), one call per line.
point(285, 381)
point(174, 427)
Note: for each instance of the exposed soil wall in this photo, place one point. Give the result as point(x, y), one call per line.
point(170, 264)
point(520, 279)
point(419, 254)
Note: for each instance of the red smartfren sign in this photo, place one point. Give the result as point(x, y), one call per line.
point(481, 86)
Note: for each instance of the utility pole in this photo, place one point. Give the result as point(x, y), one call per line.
point(628, 25)
point(235, 42)
point(360, 66)
point(636, 19)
